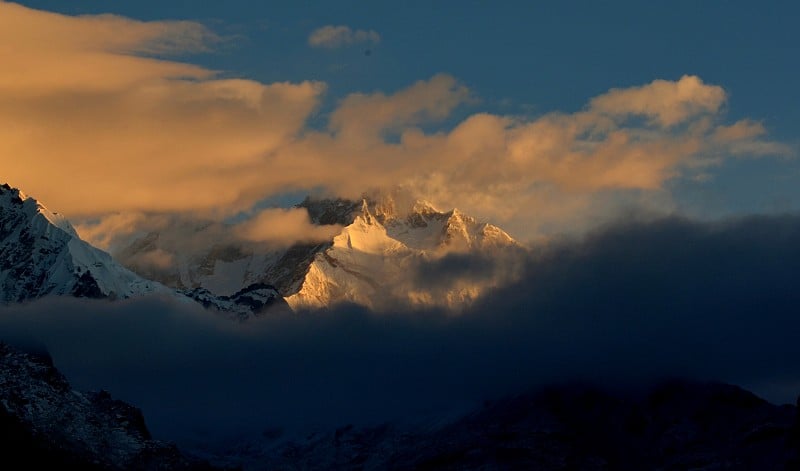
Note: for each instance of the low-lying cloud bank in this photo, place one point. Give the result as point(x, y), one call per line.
point(631, 303)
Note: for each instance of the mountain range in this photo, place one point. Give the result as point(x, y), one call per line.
point(379, 242)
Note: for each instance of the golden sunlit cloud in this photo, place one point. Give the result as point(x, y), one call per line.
point(664, 102)
point(92, 124)
point(91, 127)
point(284, 227)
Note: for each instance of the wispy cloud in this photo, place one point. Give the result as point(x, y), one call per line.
point(284, 227)
point(332, 37)
point(664, 102)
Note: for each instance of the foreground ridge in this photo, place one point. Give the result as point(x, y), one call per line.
point(44, 423)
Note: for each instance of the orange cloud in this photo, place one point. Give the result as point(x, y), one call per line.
point(284, 227)
point(92, 125)
point(43, 52)
point(362, 116)
point(112, 230)
point(664, 102)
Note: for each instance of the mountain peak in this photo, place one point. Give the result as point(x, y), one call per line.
point(387, 234)
point(13, 197)
point(385, 207)
point(371, 259)
point(397, 204)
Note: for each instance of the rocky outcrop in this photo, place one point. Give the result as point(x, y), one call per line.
point(253, 300)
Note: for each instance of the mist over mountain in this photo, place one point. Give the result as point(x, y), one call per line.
point(687, 299)
point(622, 309)
point(533, 236)
point(373, 247)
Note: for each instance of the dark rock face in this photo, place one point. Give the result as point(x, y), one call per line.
point(87, 287)
point(45, 424)
point(330, 211)
point(676, 426)
point(253, 300)
point(288, 274)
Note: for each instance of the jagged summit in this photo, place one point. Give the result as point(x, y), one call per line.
point(397, 205)
point(385, 206)
point(329, 211)
point(372, 260)
point(31, 206)
point(415, 222)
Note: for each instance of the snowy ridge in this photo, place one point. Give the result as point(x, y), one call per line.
point(41, 254)
point(370, 262)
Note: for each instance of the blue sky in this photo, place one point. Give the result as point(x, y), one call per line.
point(528, 58)
point(534, 55)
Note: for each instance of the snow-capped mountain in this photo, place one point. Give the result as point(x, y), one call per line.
point(375, 257)
point(371, 261)
point(384, 239)
point(41, 254)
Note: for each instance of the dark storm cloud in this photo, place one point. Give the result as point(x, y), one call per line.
point(632, 303)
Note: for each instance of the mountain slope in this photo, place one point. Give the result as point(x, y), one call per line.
point(41, 254)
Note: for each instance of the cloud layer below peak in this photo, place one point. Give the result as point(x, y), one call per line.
point(633, 303)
